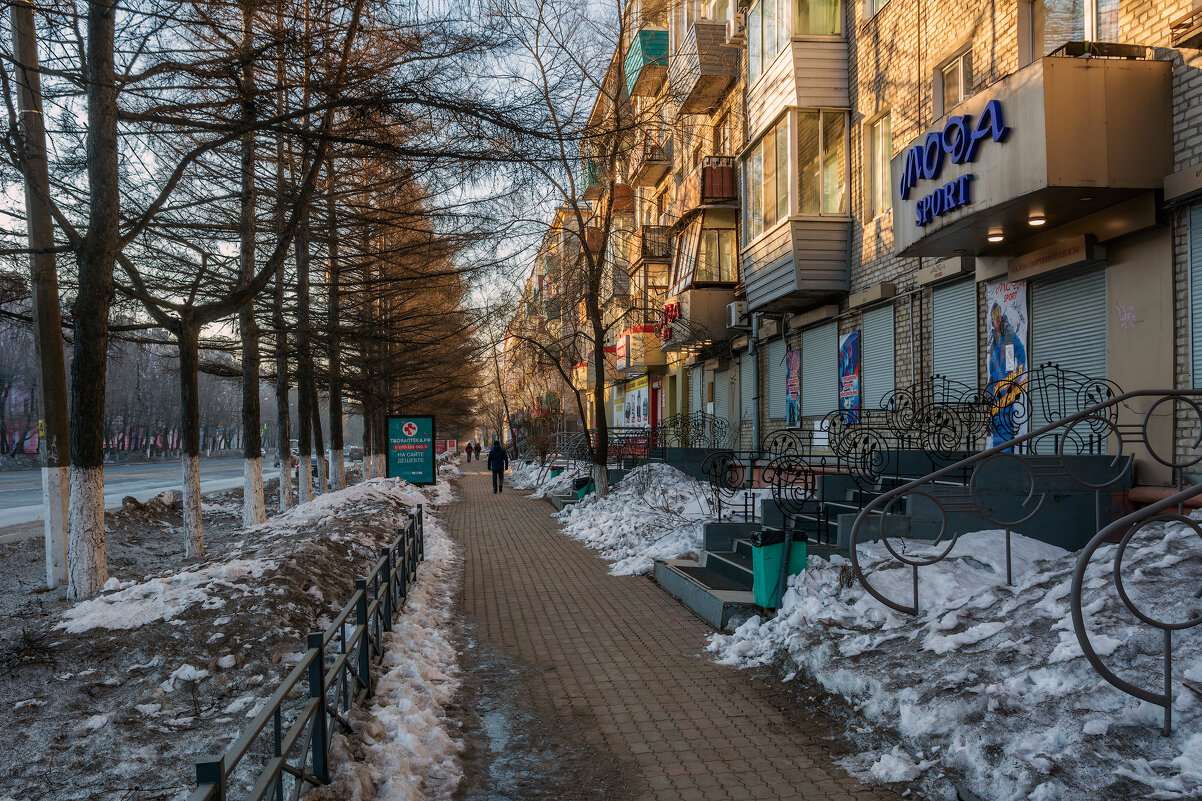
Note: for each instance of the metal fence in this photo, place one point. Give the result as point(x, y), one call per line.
point(332, 675)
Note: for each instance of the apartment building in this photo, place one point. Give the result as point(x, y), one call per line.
point(834, 199)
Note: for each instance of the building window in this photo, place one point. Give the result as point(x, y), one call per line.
point(880, 150)
point(1054, 22)
point(822, 162)
point(766, 181)
point(716, 259)
point(871, 7)
point(723, 136)
point(955, 82)
point(771, 23)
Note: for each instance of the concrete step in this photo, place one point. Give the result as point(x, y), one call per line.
point(733, 565)
point(691, 584)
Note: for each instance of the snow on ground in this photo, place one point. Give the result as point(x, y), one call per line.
point(401, 749)
point(534, 476)
point(117, 696)
point(655, 512)
point(987, 685)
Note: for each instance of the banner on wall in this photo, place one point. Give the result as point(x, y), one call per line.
point(793, 388)
point(636, 412)
point(849, 376)
point(1006, 346)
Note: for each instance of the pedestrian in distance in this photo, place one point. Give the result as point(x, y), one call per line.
point(468, 451)
point(498, 460)
point(478, 449)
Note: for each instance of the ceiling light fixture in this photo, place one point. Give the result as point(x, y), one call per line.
point(1036, 220)
point(995, 236)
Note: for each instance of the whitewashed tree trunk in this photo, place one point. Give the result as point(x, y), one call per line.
point(193, 527)
point(601, 480)
point(287, 496)
point(323, 480)
point(254, 510)
point(56, 500)
point(304, 479)
point(87, 562)
point(339, 468)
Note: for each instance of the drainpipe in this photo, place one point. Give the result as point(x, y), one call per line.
point(753, 351)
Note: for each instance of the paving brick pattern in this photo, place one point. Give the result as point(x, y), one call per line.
point(623, 662)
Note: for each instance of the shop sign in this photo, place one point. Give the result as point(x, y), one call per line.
point(670, 315)
point(636, 412)
point(960, 142)
point(411, 448)
point(1066, 253)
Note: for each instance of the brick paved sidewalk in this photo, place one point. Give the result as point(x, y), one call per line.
point(620, 656)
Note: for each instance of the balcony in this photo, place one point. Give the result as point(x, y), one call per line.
point(799, 263)
point(591, 179)
point(638, 348)
point(650, 243)
point(650, 162)
point(694, 318)
point(701, 71)
point(646, 63)
point(810, 73)
point(710, 185)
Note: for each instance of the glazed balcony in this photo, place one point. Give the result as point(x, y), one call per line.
point(711, 185)
point(650, 162)
point(798, 263)
point(703, 68)
point(646, 63)
point(592, 179)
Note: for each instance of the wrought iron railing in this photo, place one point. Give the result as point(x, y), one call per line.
point(334, 672)
point(1073, 435)
point(1122, 532)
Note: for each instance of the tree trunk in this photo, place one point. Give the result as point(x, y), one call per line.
point(87, 567)
point(333, 321)
point(189, 395)
point(304, 364)
point(253, 510)
point(319, 443)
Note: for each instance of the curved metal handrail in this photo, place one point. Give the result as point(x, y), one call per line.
point(1099, 417)
point(1124, 529)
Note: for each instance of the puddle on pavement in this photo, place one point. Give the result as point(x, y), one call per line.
point(516, 750)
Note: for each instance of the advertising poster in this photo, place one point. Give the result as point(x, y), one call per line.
point(411, 448)
point(619, 406)
point(793, 388)
point(1006, 344)
point(849, 376)
point(440, 447)
point(637, 406)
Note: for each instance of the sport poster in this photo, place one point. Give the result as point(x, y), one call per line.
point(411, 448)
point(849, 376)
point(1006, 343)
point(793, 388)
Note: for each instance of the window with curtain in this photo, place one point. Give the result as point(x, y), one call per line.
point(880, 150)
point(822, 162)
point(766, 181)
point(771, 23)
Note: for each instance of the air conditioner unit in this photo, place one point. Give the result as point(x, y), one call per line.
point(736, 29)
point(735, 312)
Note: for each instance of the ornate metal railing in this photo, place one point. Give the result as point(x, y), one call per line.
point(1123, 531)
point(1075, 434)
point(334, 673)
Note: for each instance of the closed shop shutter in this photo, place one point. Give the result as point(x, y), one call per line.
point(747, 387)
point(876, 357)
point(820, 370)
point(722, 395)
point(1068, 323)
point(1195, 290)
point(695, 385)
point(954, 332)
point(776, 379)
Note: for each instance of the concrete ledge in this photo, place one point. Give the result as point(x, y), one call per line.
point(716, 607)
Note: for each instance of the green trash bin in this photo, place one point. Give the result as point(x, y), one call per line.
point(767, 551)
point(555, 471)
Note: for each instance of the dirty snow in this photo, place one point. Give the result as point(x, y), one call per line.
point(654, 512)
point(987, 685)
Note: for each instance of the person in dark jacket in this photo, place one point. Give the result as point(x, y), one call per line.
point(477, 449)
point(498, 460)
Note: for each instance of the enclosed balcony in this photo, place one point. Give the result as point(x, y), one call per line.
point(799, 263)
point(650, 161)
point(638, 347)
point(711, 185)
point(646, 63)
point(702, 69)
point(592, 178)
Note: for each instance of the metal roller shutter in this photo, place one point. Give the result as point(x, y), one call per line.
point(820, 370)
point(1068, 323)
point(954, 332)
point(876, 356)
point(747, 387)
point(722, 395)
point(776, 379)
point(695, 385)
point(1195, 291)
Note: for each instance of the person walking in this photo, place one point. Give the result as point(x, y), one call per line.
point(498, 460)
point(468, 450)
point(478, 449)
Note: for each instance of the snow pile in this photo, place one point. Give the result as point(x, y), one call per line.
point(401, 749)
point(655, 512)
point(987, 685)
point(162, 669)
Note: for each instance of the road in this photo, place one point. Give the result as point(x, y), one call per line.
point(21, 491)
